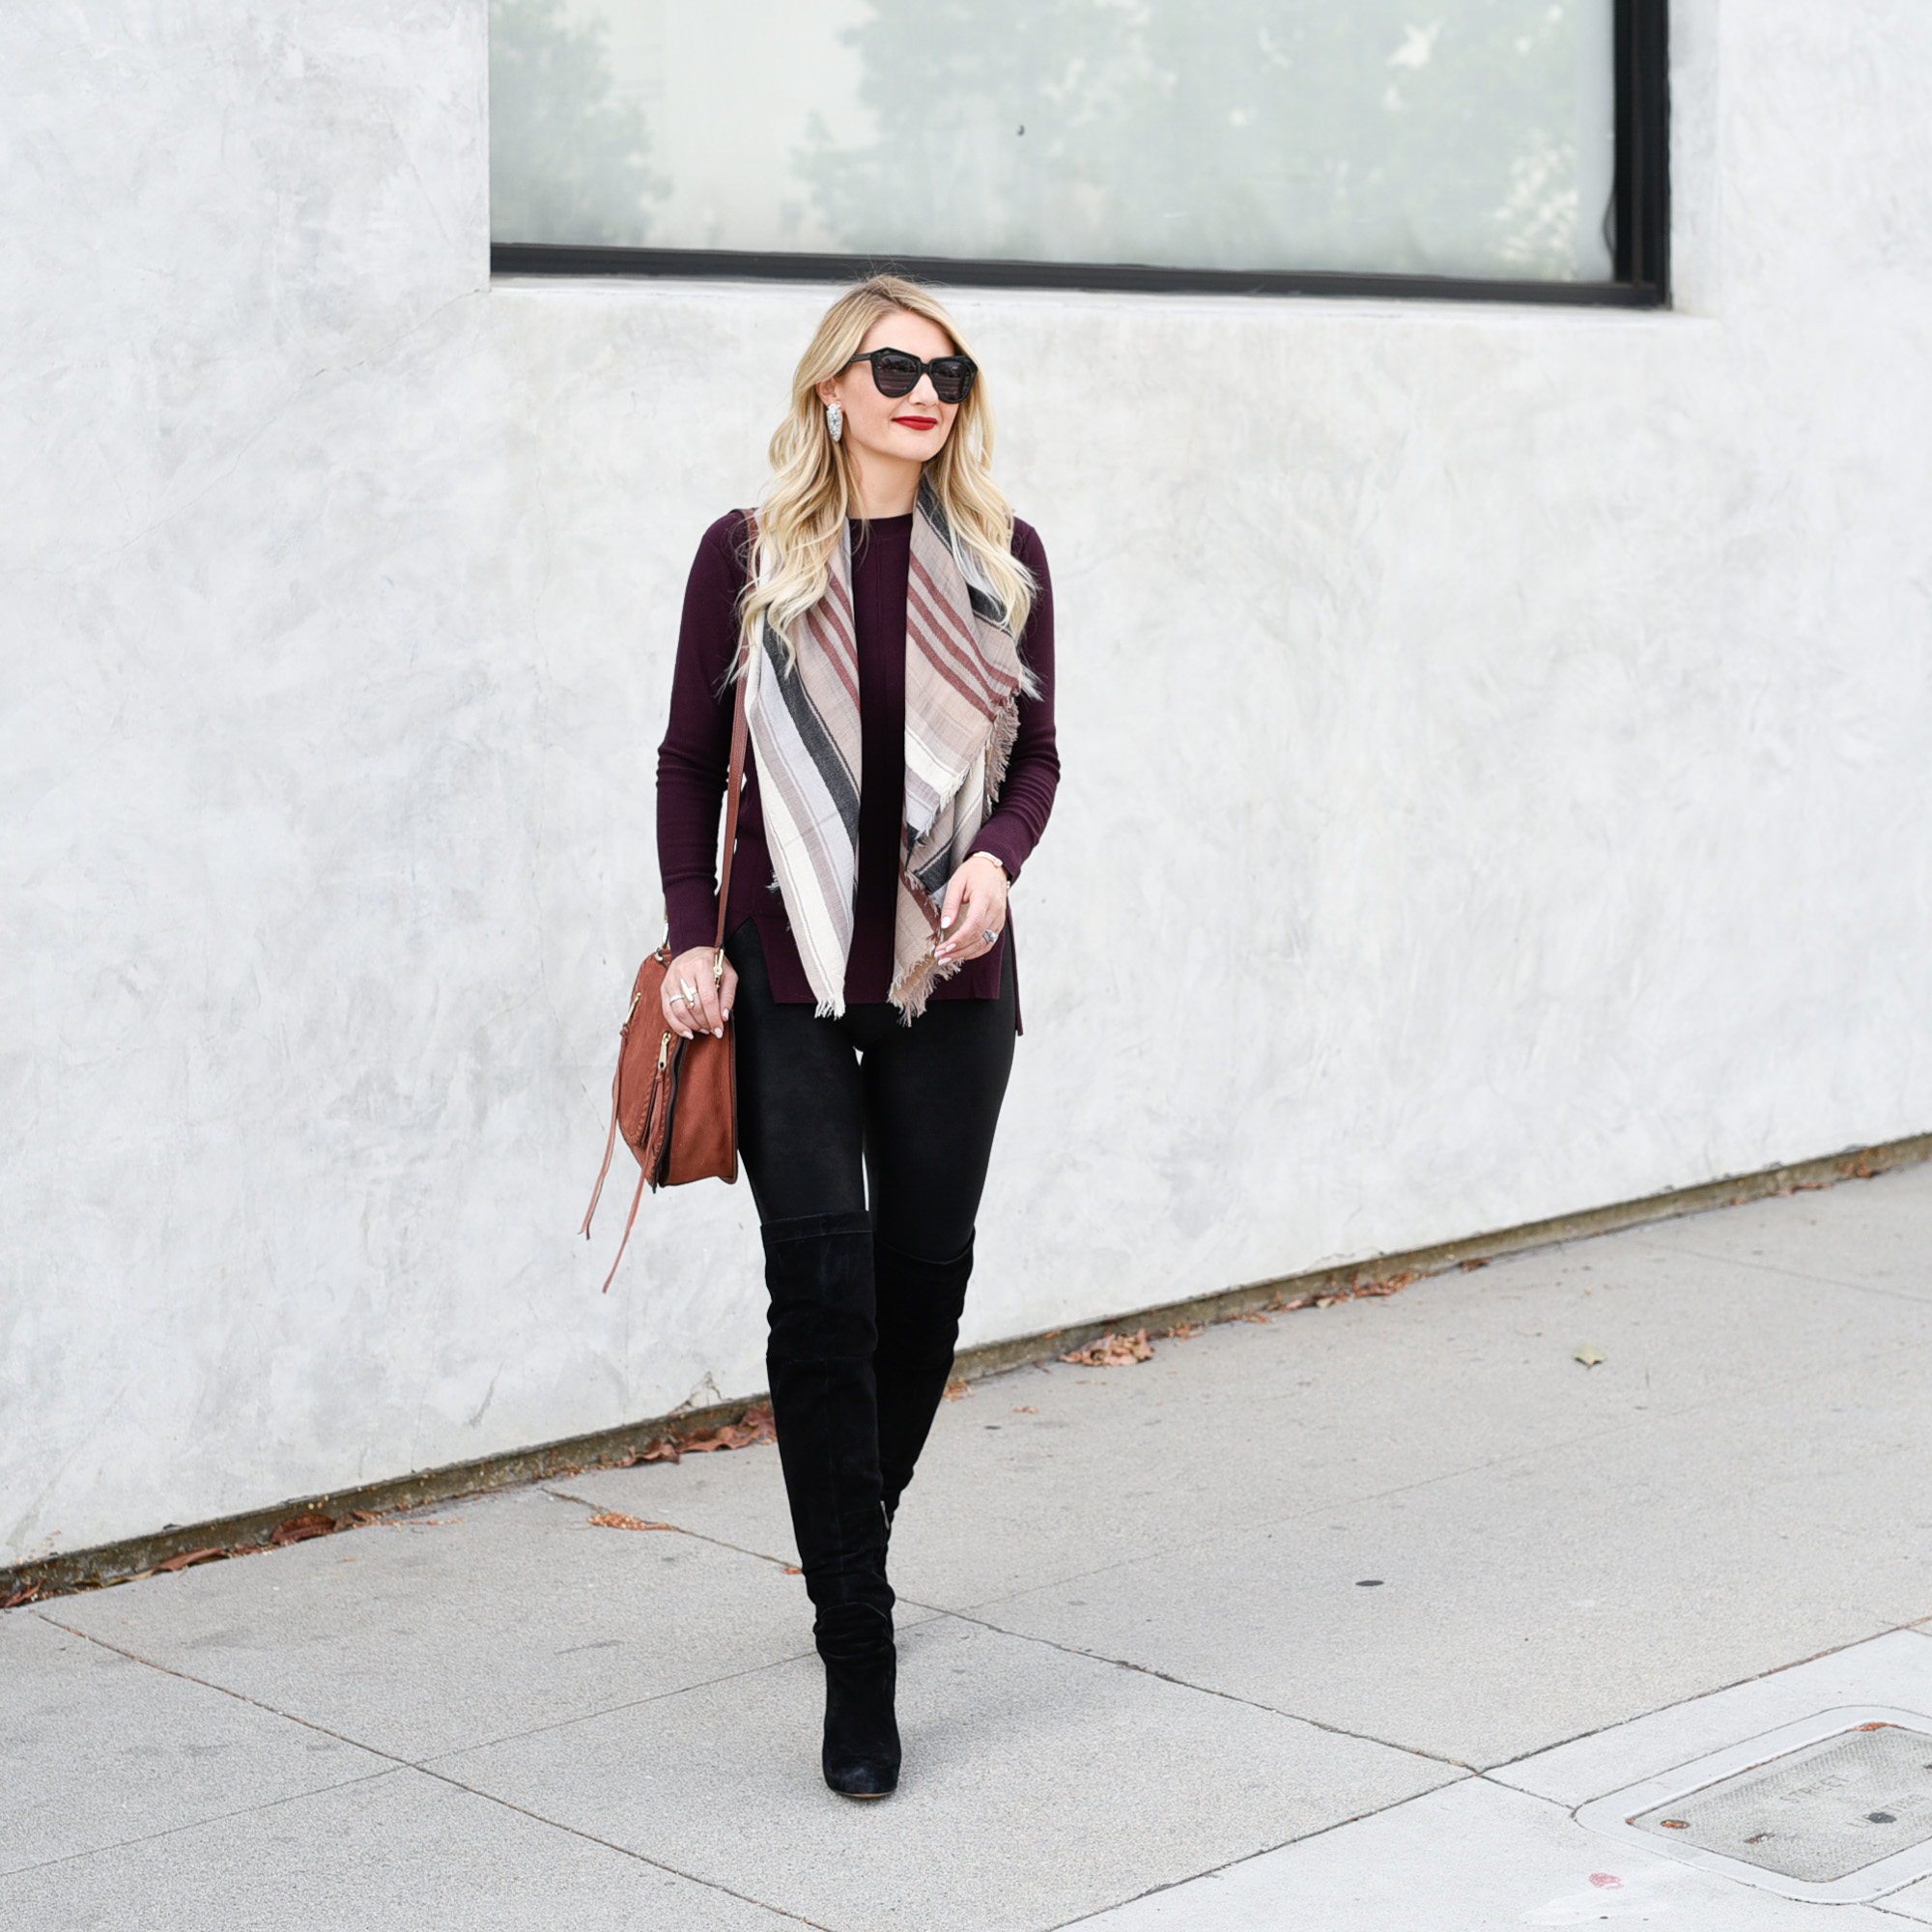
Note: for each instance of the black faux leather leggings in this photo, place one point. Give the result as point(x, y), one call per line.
point(839, 1116)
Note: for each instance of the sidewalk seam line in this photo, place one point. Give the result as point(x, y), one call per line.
point(623, 1851)
point(1485, 1772)
point(196, 1824)
point(1208, 1690)
point(1319, 1831)
point(609, 1710)
point(1796, 1274)
point(399, 1763)
point(677, 1528)
point(1697, 1696)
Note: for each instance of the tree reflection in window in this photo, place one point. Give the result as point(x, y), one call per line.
point(1228, 134)
point(568, 161)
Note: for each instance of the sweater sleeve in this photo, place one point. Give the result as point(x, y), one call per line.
point(693, 761)
point(1013, 827)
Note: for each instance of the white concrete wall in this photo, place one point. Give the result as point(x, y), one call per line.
point(1497, 745)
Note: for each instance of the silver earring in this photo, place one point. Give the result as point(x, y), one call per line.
point(835, 421)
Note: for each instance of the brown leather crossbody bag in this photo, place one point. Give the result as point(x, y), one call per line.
point(675, 1100)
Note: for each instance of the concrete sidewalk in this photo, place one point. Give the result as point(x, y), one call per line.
point(1321, 1623)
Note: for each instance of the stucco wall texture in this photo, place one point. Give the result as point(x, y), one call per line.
point(1495, 741)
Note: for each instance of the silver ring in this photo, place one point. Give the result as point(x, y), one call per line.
point(676, 999)
point(991, 938)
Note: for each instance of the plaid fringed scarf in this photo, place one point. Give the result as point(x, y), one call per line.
point(963, 677)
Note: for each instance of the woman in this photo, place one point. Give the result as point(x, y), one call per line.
point(893, 626)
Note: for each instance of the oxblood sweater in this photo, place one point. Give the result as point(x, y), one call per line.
point(694, 758)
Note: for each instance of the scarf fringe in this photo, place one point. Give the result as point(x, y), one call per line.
point(915, 985)
point(1000, 746)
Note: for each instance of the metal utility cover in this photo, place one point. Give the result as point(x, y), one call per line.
point(1836, 1809)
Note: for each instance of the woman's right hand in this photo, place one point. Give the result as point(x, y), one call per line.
point(693, 1001)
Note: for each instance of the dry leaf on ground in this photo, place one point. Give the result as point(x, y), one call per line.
point(1588, 1353)
point(1112, 1351)
point(753, 1426)
point(954, 1390)
point(27, 1593)
point(1182, 1331)
point(1364, 1286)
point(617, 1520)
point(189, 1556)
point(1025, 1409)
point(300, 1528)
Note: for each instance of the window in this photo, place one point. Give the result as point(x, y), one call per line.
point(1474, 148)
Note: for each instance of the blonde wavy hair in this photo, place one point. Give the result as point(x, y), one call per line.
point(802, 517)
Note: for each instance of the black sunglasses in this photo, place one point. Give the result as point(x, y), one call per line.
point(897, 372)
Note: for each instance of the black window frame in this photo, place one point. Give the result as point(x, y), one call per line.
point(1642, 221)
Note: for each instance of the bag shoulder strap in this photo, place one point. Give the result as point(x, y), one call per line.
point(735, 786)
point(733, 790)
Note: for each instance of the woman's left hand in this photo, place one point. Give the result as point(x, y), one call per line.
point(974, 913)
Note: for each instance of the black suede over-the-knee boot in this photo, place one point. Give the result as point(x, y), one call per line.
point(919, 1307)
point(824, 1402)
